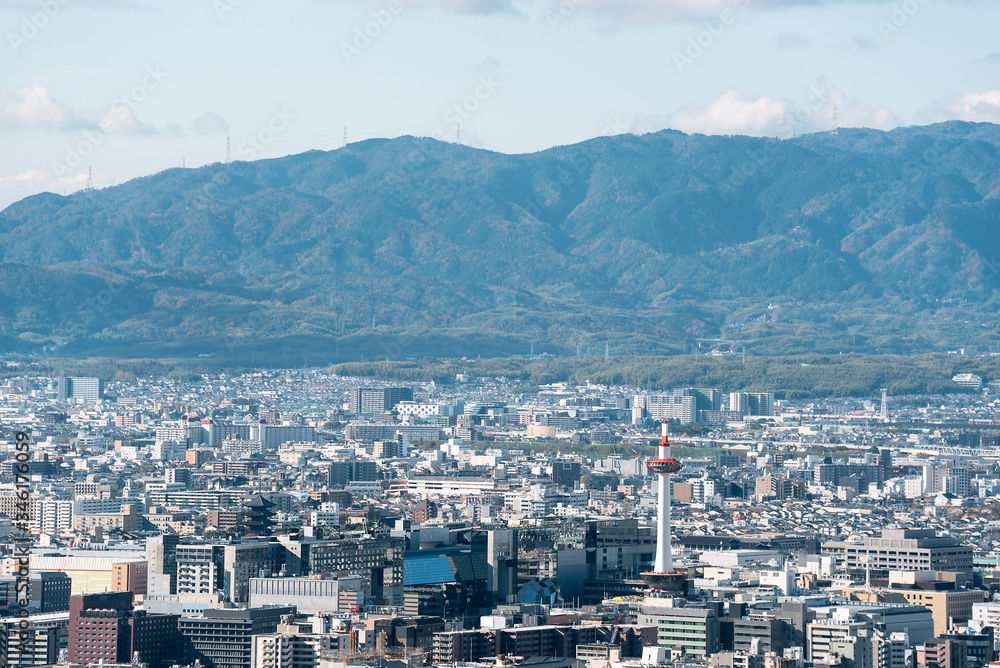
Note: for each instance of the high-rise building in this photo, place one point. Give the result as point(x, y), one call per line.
point(53, 516)
point(294, 649)
point(41, 647)
point(86, 389)
point(945, 653)
point(161, 560)
point(224, 638)
point(501, 564)
point(707, 399)
point(343, 471)
point(674, 408)
point(132, 576)
point(297, 645)
point(104, 628)
point(908, 550)
point(754, 404)
point(47, 592)
point(691, 632)
point(368, 400)
point(565, 473)
point(378, 560)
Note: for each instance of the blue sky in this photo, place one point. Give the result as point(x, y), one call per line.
point(130, 87)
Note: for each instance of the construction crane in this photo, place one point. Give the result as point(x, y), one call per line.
point(353, 609)
point(614, 633)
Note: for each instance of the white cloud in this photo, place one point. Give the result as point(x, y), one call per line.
point(733, 112)
point(14, 188)
point(80, 4)
point(454, 6)
point(760, 114)
point(977, 107)
point(661, 11)
point(210, 123)
point(33, 107)
point(789, 40)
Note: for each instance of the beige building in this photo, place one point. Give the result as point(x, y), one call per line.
point(131, 576)
point(89, 570)
point(948, 604)
point(9, 506)
point(126, 520)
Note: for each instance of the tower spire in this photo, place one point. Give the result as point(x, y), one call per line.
point(662, 577)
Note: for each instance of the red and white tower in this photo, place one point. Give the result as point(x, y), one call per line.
point(662, 576)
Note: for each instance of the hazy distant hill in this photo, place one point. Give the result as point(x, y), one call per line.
point(863, 240)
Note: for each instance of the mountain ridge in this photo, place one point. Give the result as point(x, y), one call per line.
point(642, 242)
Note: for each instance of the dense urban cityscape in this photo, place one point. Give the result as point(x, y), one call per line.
point(297, 519)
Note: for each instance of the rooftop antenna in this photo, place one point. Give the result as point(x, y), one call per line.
point(229, 151)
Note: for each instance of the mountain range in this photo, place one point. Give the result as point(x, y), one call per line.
point(849, 241)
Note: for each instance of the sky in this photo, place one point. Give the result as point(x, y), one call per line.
point(126, 88)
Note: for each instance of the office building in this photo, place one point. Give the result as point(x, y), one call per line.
point(907, 550)
point(678, 409)
point(944, 653)
point(308, 595)
point(82, 389)
point(691, 632)
point(455, 646)
point(342, 471)
point(501, 564)
point(290, 648)
point(378, 560)
point(566, 473)
point(104, 628)
point(47, 592)
point(224, 638)
point(132, 577)
point(161, 564)
point(367, 400)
